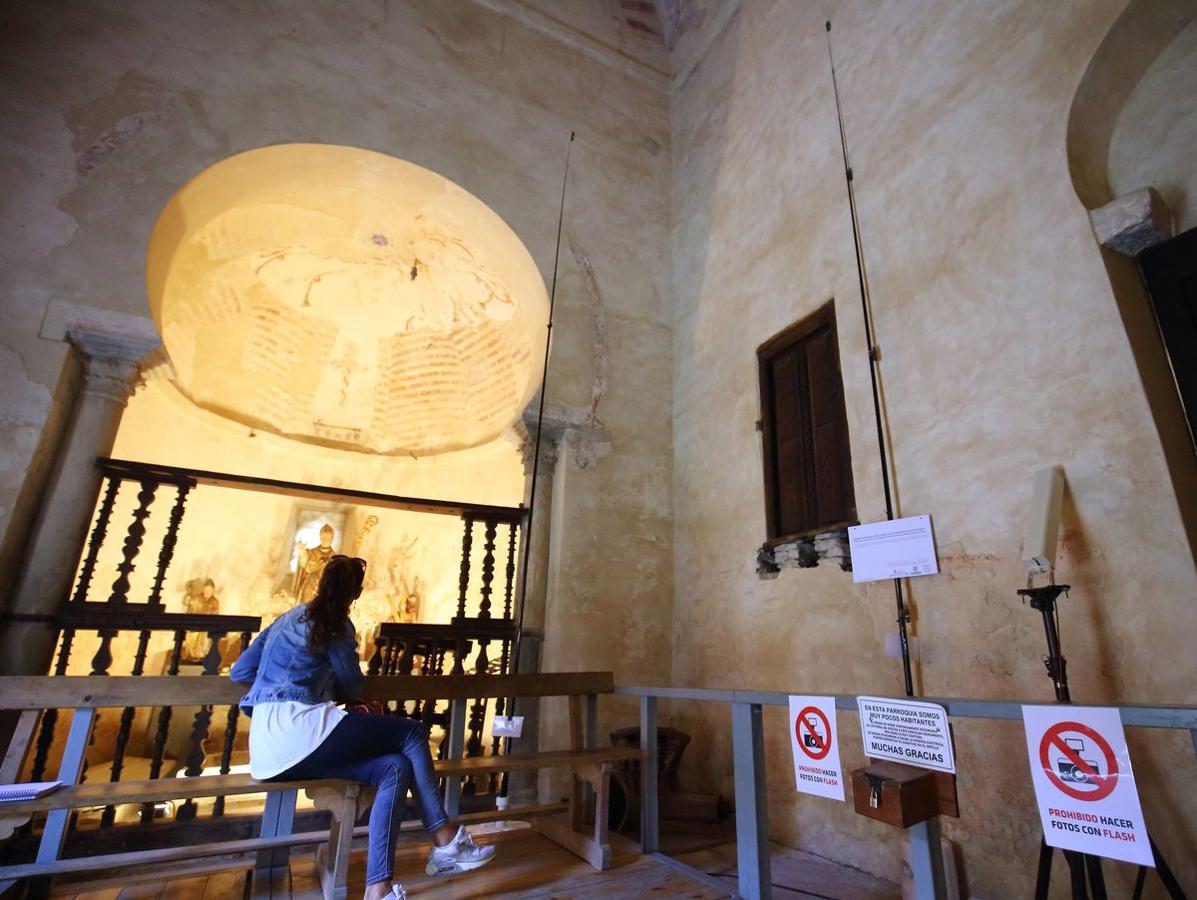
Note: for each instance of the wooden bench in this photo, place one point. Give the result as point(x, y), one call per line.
point(590, 765)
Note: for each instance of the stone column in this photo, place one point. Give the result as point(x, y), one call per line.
point(522, 786)
point(110, 372)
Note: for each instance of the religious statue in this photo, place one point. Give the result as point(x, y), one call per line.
point(201, 600)
point(311, 563)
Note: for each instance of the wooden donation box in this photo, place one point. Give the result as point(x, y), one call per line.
point(902, 795)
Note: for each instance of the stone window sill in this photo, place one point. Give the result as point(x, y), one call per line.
point(804, 553)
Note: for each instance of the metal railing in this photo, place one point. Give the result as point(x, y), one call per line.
point(748, 758)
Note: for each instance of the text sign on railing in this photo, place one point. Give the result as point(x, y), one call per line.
point(907, 731)
point(1084, 786)
point(815, 742)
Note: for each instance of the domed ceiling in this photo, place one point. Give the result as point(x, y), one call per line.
point(344, 297)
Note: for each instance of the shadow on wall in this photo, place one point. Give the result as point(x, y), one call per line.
point(1136, 40)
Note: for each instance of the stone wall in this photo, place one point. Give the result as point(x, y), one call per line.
point(1002, 351)
point(108, 111)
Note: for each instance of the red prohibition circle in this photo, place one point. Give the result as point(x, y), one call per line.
point(826, 743)
point(1105, 785)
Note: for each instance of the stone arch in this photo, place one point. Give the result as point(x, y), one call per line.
point(1137, 39)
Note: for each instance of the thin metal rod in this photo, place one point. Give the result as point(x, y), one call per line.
point(866, 306)
point(544, 384)
point(544, 389)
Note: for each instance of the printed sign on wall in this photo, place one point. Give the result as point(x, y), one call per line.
point(1084, 786)
point(900, 548)
point(815, 740)
point(906, 731)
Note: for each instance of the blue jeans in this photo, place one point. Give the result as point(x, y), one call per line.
point(390, 753)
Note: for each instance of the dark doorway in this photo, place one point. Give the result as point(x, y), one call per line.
point(1170, 271)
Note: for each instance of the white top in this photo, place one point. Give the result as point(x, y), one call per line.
point(286, 732)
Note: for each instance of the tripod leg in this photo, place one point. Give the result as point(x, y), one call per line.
point(1097, 878)
point(1044, 877)
point(1076, 871)
point(1166, 876)
point(1140, 880)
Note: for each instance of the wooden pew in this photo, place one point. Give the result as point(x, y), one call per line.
point(85, 695)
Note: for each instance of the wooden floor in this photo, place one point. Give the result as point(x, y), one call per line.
point(796, 874)
point(526, 865)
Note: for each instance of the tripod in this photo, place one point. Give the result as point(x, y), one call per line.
point(1084, 870)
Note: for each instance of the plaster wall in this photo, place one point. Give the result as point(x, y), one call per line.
point(1002, 351)
point(108, 111)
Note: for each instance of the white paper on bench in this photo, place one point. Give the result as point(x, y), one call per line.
point(507, 726)
point(15, 793)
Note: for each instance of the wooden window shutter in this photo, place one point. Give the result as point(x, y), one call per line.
point(808, 463)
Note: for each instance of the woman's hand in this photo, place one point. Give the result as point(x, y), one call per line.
point(373, 707)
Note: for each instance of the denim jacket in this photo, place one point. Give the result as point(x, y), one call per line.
point(281, 667)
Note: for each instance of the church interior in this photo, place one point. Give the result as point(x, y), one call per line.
point(745, 362)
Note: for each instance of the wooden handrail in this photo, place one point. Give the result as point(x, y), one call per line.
point(22, 692)
point(137, 471)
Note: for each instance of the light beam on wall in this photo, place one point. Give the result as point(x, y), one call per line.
point(348, 298)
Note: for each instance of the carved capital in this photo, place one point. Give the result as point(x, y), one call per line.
point(111, 379)
point(550, 453)
point(111, 361)
point(565, 433)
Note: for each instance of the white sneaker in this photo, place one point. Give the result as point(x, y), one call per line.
point(459, 855)
point(397, 892)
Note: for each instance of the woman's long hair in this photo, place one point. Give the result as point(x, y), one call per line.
point(328, 611)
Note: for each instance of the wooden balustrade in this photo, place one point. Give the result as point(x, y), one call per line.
point(465, 646)
point(107, 623)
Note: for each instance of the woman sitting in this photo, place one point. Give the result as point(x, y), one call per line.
point(299, 665)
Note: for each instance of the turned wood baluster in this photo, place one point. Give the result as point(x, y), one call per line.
point(395, 656)
point(164, 716)
point(122, 735)
point(45, 737)
point(477, 719)
point(133, 539)
point(510, 586)
point(407, 657)
point(459, 652)
point(500, 706)
point(463, 580)
point(98, 532)
point(435, 665)
point(419, 666)
point(374, 666)
point(495, 746)
point(488, 569)
point(102, 661)
point(199, 729)
point(405, 661)
point(230, 737)
point(169, 541)
point(100, 664)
